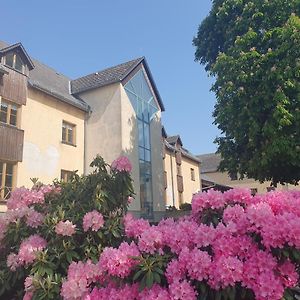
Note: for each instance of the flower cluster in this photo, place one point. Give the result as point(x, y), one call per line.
point(238, 251)
point(119, 262)
point(65, 228)
point(121, 164)
point(93, 220)
point(27, 252)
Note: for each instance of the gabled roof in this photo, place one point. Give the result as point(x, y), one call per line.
point(112, 75)
point(51, 82)
point(174, 139)
point(19, 46)
point(209, 162)
point(183, 151)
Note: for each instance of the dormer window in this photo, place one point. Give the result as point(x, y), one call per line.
point(14, 61)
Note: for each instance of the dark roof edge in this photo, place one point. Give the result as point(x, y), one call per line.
point(3, 50)
point(160, 102)
point(84, 107)
point(188, 155)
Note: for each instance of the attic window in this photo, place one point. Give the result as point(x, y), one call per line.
point(13, 60)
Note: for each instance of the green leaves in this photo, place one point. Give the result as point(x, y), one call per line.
point(150, 270)
point(253, 48)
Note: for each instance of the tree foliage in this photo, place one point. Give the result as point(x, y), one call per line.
point(252, 48)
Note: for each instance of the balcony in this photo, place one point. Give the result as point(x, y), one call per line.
point(11, 143)
point(13, 86)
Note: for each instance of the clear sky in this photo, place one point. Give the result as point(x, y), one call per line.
point(81, 37)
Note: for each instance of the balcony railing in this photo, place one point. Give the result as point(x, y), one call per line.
point(11, 143)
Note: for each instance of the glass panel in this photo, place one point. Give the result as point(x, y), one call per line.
point(9, 59)
point(13, 115)
point(3, 112)
point(139, 109)
point(147, 155)
point(141, 133)
point(8, 181)
point(70, 135)
point(141, 153)
point(19, 63)
point(64, 133)
point(147, 135)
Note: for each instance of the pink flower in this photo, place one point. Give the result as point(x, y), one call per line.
point(119, 262)
point(65, 228)
point(156, 292)
point(29, 247)
point(182, 291)
point(27, 252)
point(135, 227)
point(121, 164)
point(93, 220)
point(13, 261)
point(22, 197)
point(150, 240)
point(34, 218)
point(225, 271)
point(80, 275)
point(288, 273)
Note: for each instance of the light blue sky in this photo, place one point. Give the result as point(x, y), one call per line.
point(80, 37)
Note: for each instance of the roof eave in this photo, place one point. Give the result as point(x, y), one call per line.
point(85, 108)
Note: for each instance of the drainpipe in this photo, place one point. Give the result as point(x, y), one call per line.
point(172, 179)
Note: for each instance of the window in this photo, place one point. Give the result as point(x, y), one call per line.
point(66, 176)
point(253, 191)
point(142, 100)
point(8, 113)
point(68, 133)
point(193, 174)
point(6, 179)
point(14, 61)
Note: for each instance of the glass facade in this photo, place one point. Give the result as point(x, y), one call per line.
point(145, 107)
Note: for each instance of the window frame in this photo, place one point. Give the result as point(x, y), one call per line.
point(10, 107)
point(66, 175)
point(23, 69)
point(3, 178)
point(67, 140)
point(193, 176)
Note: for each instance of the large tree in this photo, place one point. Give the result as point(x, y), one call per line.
point(252, 48)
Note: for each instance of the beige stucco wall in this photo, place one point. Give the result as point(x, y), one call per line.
point(111, 131)
point(171, 191)
point(103, 125)
point(44, 155)
point(157, 164)
point(189, 186)
point(224, 178)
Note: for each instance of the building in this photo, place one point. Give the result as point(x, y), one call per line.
point(212, 178)
point(51, 125)
point(182, 172)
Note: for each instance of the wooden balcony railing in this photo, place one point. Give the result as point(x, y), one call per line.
point(13, 86)
point(11, 143)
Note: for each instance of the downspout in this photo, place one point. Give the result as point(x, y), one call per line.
point(172, 179)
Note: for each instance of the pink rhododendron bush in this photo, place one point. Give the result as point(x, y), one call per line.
point(75, 241)
point(48, 228)
point(233, 246)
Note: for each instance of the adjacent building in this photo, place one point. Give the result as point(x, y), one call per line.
point(181, 172)
point(211, 177)
point(51, 125)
